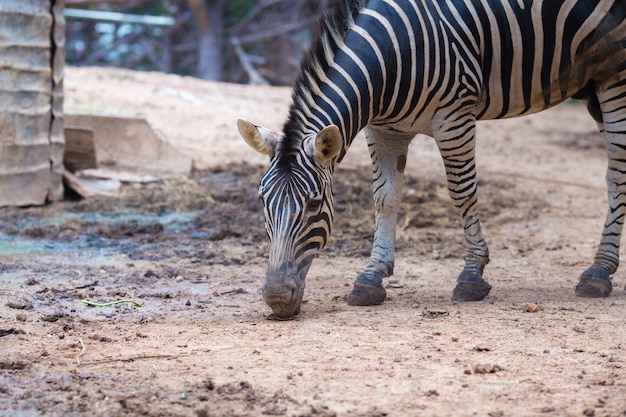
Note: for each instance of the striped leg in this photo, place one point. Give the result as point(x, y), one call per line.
point(456, 141)
point(595, 281)
point(388, 151)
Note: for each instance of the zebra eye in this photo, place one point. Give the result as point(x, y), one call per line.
point(314, 204)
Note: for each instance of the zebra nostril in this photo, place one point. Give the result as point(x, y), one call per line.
point(286, 268)
point(282, 281)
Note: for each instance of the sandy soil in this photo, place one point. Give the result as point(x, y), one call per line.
point(192, 252)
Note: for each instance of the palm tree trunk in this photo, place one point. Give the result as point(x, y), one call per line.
point(31, 101)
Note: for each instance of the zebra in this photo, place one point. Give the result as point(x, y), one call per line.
point(397, 68)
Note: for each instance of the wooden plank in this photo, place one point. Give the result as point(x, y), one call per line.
point(80, 149)
point(130, 144)
point(87, 187)
point(105, 16)
point(85, 3)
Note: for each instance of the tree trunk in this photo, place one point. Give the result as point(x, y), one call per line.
point(208, 17)
point(32, 38)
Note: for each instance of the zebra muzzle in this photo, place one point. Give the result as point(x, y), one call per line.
point(283, 290)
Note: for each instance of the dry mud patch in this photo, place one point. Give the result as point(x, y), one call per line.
point(192, 251)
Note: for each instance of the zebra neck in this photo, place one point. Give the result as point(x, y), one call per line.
point(316, 106)
point(332, 87)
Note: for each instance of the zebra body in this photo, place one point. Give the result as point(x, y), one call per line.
point(397, 68)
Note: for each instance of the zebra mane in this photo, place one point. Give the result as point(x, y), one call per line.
point(333, 28)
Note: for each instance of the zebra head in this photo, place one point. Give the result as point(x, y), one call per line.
point(298, 207)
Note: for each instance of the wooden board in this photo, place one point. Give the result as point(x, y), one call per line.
point(130, 144)
point(80, 149)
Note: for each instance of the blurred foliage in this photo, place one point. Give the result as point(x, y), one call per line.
point(236, 10)
point(274, 34)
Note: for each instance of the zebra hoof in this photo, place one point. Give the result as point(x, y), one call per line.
point(284, 312)
point(470, 285)
point(471, 290)
point(366, 294)
point(594, 283)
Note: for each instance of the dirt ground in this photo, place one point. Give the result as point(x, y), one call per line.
point(192, 252)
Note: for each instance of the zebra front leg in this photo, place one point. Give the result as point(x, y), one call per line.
point(457, 147)
point(388, 151)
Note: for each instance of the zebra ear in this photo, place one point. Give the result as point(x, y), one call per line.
point(326, 145)
point(259, 138)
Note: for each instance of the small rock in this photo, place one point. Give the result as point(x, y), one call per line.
point(482, 349)
point(589, 412)
point(51, 318)
point(548, 409)
point(188, 303)
point(21, 317)
point(20, 305)
point(433, 314)
point(531, 308)
point(12, 330)
point(487, 369)
point(61, 336)
point(209, 384)
point(394, 283)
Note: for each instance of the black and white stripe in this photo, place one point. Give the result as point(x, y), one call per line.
point(402, 67)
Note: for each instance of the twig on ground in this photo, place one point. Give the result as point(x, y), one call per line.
point(131, 359)
point(82, 351)
point(110, 303)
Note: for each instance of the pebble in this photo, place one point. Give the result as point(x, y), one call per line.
point(188, 303)
point(487, 369)
point(394, 283)
point(531, 307)
point(108, 315)
point(61, 335)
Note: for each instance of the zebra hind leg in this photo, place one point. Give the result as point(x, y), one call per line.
point(595, 281)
